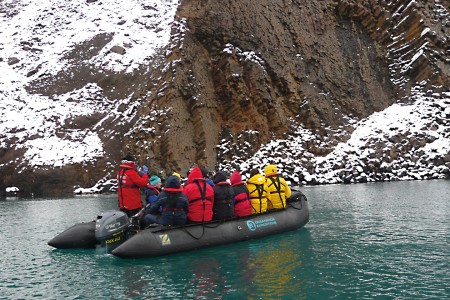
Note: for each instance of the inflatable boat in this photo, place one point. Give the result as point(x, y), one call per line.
point(122, 237)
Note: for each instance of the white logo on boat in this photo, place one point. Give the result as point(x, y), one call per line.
point(253, 225)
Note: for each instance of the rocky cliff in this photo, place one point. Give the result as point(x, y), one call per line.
point(239, 75)
point(244, 83)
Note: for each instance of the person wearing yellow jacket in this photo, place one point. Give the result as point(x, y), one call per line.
point(259, 192)
point(278, 188)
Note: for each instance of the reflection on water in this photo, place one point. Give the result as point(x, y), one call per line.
point(262, 269)
point(134, 281)
point(208, 281)
point(386, 241)
point(276, 270)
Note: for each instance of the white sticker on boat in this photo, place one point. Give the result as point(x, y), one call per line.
point(253, 225)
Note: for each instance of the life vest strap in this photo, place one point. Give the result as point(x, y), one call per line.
point(222, 201)
point(120, 178)
point(239, 200)
point(278, 188)
point(198, 199)
point(154, 189)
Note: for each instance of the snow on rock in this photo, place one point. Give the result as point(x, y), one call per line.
point(12, 191)
point(36, 38)
point(49, 29)
point(403, 142)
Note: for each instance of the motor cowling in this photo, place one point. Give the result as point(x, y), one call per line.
point(111, 228)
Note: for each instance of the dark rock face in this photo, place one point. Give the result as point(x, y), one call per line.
point(271, 66)
point(240, 73)
point(265, 66)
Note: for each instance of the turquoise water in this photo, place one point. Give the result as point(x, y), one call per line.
point(365, 241)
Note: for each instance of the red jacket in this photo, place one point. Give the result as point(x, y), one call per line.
point(242, 204)
point(199, 209)
point(129, 182)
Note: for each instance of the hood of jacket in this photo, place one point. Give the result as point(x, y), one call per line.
point(219, 177)
point(257, 179)
point(235, 178)
point(172, 184)
point(128, 165)
point(196, 173)
point(271, 170)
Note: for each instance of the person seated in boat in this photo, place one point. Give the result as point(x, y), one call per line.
point(179, 177)
point(206, 175)
point(151, 192)
point(223, 207)
point(154, 188)
point(200, 196)
point(259, 192)
point(129, 182)
point(172, 203)
point(278, 188)
point(241, 196)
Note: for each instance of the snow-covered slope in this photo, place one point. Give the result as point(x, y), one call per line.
point(403, 142)
point(37, 39)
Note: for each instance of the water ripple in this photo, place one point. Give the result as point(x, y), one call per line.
point(385, 241)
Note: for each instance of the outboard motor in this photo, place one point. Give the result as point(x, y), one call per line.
point(111, 228)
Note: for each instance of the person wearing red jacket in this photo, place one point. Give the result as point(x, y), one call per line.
point(129, 182)
point(200, 196)
point(241, 196)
